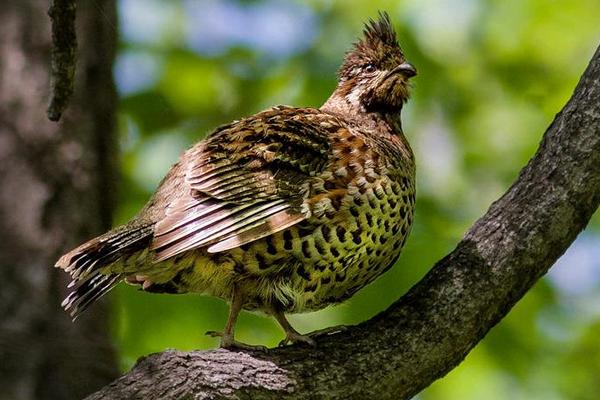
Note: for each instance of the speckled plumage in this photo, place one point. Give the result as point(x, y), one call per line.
point(289, 210)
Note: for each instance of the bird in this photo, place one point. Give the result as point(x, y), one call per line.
point(286, 211)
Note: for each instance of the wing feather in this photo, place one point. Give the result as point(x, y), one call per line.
point(274, 223)
point(186, 216)
point(245, 184)
point(206, 231)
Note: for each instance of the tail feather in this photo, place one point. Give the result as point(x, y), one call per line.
point(91, 290)
point(88, 263)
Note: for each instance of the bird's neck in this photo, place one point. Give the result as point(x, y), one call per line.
point(347, 105)
point(384, 126)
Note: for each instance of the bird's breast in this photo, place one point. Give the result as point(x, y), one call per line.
point(357, 236)
point(359, 213)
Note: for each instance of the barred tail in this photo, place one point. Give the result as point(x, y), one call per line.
point(87, 264)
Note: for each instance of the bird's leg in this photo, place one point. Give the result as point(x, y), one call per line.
point(291, 335)
point(227, 335)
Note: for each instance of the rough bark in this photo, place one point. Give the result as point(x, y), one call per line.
point(64, 54)
point(431, 329)
point(56, 185)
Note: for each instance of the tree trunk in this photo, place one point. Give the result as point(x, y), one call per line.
point(57, 187)
point(432, 328)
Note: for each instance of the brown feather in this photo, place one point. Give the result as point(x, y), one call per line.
point(244, 184)
point(273, 224)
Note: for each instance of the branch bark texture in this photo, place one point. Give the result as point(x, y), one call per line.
point(64, 56)
point(430, 330)
point(56, 182)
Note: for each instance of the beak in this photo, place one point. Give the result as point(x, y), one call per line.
point(406, 69)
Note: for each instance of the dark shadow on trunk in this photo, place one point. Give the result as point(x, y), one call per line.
point(57, 188)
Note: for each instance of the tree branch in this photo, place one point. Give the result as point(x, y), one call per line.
point(64, 56)
point(430, 330)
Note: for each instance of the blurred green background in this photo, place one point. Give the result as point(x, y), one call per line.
point(492, 75)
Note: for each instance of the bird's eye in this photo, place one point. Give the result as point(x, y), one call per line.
point(369, 68)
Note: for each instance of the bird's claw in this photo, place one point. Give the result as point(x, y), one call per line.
point(228, 342)
point(309, 338)
point(292, 337)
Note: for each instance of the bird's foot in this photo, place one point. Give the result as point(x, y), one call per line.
point(228, 342)
point(295, 337)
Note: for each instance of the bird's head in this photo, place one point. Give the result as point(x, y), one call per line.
point(374, 76)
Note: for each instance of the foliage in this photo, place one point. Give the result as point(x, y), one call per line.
point(491, 76)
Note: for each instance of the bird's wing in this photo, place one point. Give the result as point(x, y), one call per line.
point(246, 181)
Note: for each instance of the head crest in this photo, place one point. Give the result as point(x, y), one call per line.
point(380, 32)
point(378, 45)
